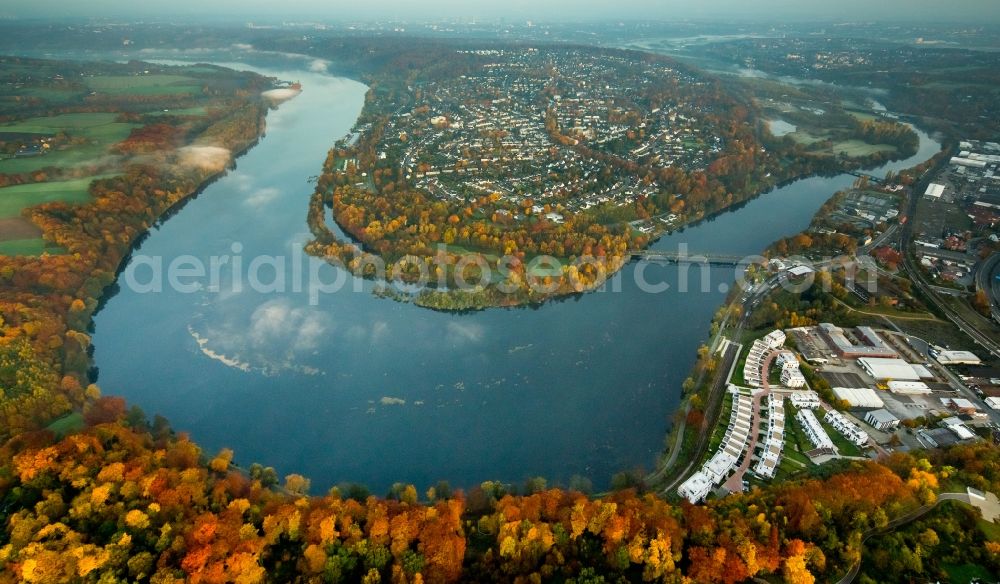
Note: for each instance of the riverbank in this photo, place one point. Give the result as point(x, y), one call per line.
point(421, 171)
point(47, 302)
point(441, 283)
point(406, 393)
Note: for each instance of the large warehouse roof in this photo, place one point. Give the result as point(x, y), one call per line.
point(908, 387)
point(859, 397)
point(934, 190)
point(889, 369)
point(957, 358)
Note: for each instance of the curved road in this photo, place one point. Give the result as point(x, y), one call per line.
point(986, 280)
point(899, 522)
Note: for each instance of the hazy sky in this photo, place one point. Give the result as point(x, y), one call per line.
point(977, 11)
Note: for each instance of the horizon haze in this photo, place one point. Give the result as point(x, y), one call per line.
point(971, 11)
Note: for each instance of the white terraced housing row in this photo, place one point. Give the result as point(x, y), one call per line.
point(775, 437)
point(759, 350)
point(814, 430)
point(849, 429)
point(715, 471)
point(791, 376)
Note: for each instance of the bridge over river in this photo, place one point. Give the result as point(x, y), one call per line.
point(673, 257)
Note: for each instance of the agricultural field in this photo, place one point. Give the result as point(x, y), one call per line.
point(91, 135)
point(14, 199)
point(67, 123)
point(144, 84)
point(18, 236)
point(862, 115)
point(806, 138)
point(859, 149)
point(188, 111)
point(25, 247)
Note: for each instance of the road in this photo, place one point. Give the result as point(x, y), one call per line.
point(972, 329)
point(983, 277)
point(712, 411)
point(969, 328)
point(970, 395)
point(878, 241)
point(986, 280)
point(734, 484)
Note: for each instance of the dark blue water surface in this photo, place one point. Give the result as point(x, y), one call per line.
point(368, 390)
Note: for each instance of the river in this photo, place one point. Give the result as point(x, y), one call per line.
point(362, 389)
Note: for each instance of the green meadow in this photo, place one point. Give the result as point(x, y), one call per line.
point(99, 129)
point(14, 199)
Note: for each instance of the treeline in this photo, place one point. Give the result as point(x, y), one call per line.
point(953, 537)
point(894, 134)
point(406, 227)
point(126, 501)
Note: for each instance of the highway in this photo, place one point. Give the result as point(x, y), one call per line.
point(969, 328)
point(986, 280)
point(881, 239)
point(930, 292)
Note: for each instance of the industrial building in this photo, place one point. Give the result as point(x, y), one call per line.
point(869, 343)
point(967, 162)
point(882, 420)
point(958, 428)
point(956, 357)
point(799, 271)
point(938, 437)
point(896, 369)
point(859, 397)
point(908, 387)
point(960, 405)
point(934, 190)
